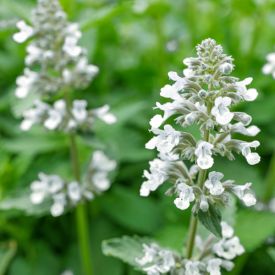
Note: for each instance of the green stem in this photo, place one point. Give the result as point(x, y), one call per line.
point(191, 236)
point(194, 221)
point(81, 215)
point(83, 239)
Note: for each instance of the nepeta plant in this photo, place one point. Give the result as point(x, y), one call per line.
point(56, 66)
point(203, 96)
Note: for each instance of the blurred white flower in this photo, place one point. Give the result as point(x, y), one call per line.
point(214, 266)
point(100, 167)
point(74, 191)
point(228, 248)
point(156, 260)
point(269, 68)
point(244, 193)
point(25, 32)
point(104, 114)
point(193, 268)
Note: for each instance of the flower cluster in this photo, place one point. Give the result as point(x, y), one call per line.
point(213, 255)
point(55, 66)
point(68, 194)
point(203, 96)
point(156, 260)
point(61, 117)
point(54, 59)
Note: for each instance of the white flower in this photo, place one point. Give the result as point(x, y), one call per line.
point(57, 209)
point(70, 44)
point(241, 129)
point(204, 155)
point(104, 114)
point(25, 83)
point(55, 115)
point(39, 191)
point(101, 162)
point(25, 32)
point(204, 205)
point(179, 81)
point(156, 260)
point(221, 111)
point(242, 91)
point(227, 230)
point(74, 191)
point(79, 110)
point(214, 183)
point(186, 195)
point(228, 248)
point(193, 268)
point(169, 109)
point(214, 266)
point(156, 177)
point(149, 254)
point(226, 68)
point(252, 158)
point(100, 166)
point(169, 91)
point(53, 120)
point(101, 181)
point(82, 67)
point(55, 183)
point(34, 53)
point(34, 115)
point(156, 121)
point(244, 193)
point(269, 68)
point(165, 140)
point(195, 114)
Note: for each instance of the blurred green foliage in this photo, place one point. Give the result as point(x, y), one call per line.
point(135, 44)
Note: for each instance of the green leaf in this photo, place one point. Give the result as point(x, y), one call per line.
point(211, 220)
point(21, 202)
point(129, 210)
point(172, 236)
point(127, 249)
point(253, 228)
point(34, 143)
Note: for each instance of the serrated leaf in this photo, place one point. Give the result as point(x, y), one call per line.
point(211, 220)
point(127, 249)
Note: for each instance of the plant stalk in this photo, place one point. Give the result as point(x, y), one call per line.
point(81, 215)
point(194, 221)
